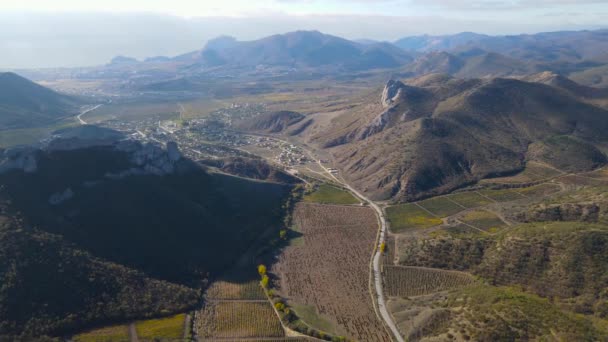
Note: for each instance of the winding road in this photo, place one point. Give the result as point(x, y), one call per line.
point(79, 116)
point(385, 315)
point(388, 319)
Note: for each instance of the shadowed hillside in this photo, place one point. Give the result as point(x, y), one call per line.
point(130, 230)
point(25, 104)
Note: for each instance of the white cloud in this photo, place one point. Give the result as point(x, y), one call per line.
point(504, 4)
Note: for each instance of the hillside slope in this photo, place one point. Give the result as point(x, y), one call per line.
point(271, 122)
point(136, 221)
point(473, 63)
point(465, 129)
point(550, 46)
point(25, 104)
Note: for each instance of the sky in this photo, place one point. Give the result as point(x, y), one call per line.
point(69, 33)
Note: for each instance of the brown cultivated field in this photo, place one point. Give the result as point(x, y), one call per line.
point(238, 319)
point(224, 289)
point(236, 307)
point(403, 281)
point(330, 270)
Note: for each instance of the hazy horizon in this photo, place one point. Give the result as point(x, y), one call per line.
point(68, 33)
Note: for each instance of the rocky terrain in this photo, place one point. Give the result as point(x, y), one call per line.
point(273, 122)
point(466, 130)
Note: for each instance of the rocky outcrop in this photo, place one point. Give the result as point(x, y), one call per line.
point(148, 158)
point(391, 92)
point(585, 212)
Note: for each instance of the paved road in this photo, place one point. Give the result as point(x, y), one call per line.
point(377, 258)
point(79, 116)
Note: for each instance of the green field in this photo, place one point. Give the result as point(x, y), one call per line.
point(310, 315)
point(107, 334)
point(26, 136)
point(410, 216)
point(163, 328)
point(327, 194)
point(505, 195)
point(483, 220)
point(469, 199)
point(539, 190)
point(441, 206)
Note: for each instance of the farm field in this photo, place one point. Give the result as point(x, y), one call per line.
point(330, 270)
point(310, 315)
point(410, 216)
point(470, 199)
point(456, 231)
point(165, 109)
point(238, 319)
point(233, 289)
point(235, 306)
point(540, 190)
point(327, 194)
point(404, 281)
point(483, 220)
point(505, 195)
point(107, 334)
point(441, 206)
point(170, 328)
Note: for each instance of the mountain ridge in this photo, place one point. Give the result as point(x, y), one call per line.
point(466, 129)
point(24, 103)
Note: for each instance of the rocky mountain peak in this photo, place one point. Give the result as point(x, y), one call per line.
point(391, 92)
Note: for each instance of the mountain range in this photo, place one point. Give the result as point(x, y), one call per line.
point(298, 49)
point(581, 55)
point(552, 46)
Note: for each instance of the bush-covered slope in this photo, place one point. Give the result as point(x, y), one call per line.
point(49, 287)
point(86, 248)
point(565, 260)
